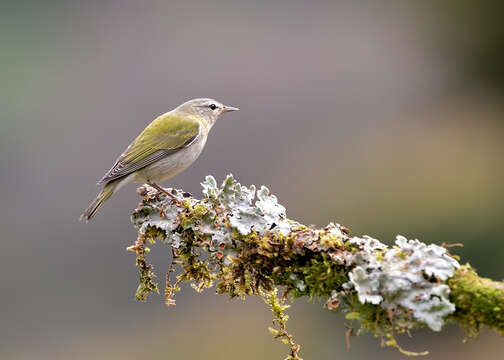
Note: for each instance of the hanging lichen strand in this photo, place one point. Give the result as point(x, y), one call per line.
point(247, 246)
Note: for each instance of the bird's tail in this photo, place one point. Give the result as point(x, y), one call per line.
point(103, 196)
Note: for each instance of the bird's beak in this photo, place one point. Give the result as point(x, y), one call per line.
point(229, 108)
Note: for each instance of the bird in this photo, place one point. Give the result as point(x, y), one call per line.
point(166, 147)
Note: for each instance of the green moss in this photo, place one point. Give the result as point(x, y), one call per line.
point(393, 343)
point(371, 318)
point(318, 273)
point(479, 301)
point(194, 269)
point(152, 233)
point(331, 241)
point(146, 284)
point(280, 321)
point(236, 281)
point(193, 215)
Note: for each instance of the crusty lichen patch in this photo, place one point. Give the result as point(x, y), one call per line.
point(407, 281)
point(242, 240)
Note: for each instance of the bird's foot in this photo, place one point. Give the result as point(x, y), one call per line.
point(160, 189)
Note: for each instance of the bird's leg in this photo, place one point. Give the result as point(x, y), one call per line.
point(160, 189)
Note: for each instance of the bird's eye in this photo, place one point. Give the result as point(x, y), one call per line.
point(212, 106)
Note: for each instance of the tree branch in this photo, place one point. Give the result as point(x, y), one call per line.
point(248, 246)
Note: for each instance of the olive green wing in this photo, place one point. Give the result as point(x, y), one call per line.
point(163, 137)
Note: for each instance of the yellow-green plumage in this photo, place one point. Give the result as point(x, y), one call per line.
point(166, 134)
point(169, 131)
point(103, 196)
point(167, 146)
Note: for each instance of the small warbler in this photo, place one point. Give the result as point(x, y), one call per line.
point(167, 146)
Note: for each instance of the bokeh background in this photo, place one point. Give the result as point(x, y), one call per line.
point(386, 117)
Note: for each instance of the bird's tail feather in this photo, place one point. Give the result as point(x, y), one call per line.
point(103, 196)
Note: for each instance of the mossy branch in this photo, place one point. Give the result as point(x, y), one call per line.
point(247, 246)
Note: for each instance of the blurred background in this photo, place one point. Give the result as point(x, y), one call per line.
point(386, 117)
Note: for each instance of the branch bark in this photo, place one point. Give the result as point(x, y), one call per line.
point(242, 240)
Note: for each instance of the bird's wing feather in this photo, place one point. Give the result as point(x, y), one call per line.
point(166, 135)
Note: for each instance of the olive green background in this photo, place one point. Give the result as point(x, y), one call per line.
point(384, 116)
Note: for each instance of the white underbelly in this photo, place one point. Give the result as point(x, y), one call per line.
point(171, 165)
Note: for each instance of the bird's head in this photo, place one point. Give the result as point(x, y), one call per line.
point(209, 109)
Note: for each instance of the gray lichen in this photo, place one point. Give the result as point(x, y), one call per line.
point(409, 278)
